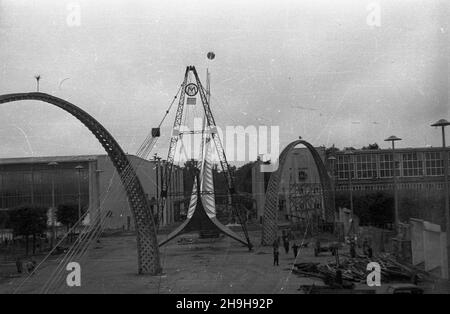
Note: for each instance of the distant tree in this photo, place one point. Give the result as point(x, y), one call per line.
point(331, 151)
point(427, 206)
point(342, 200)
point(376, 209)
point(28, 221)
point(188, 177)
point(381, 208)
point(243, 177)
point(4, 219)
point(67, 214)
point(373, 146)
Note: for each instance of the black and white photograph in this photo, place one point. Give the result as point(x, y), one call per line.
point(226, 154)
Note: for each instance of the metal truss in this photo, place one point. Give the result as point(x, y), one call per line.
point(218, 143)
point(147, 246)
point(270, 226)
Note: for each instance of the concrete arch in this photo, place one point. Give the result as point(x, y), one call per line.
point(269, 231)
point(147, 246)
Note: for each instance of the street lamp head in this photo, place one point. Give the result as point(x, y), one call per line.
point(79, 167)
point(393, 138)
point(53, 163)
point(331, 158)
point(441, 122)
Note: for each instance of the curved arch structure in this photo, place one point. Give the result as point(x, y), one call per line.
point(147, 246)
point(270, 228)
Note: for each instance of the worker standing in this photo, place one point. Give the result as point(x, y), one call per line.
point(295, 249)
point(352, 249)
point(276, 243)
point(286, 242)
point(19, 265)
point(276, 254)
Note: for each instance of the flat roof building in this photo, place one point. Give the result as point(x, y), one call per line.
point(372, 169)
point(93, 178)
point(419, 171)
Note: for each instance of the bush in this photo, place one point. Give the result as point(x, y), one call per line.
point(376, 209)
point(4, 220)
point(67, 214)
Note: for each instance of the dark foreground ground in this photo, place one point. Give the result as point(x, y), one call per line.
point(209, 266)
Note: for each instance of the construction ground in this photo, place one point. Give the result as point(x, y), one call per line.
point(192, 266)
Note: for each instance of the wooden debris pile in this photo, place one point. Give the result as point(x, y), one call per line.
point(355, 270)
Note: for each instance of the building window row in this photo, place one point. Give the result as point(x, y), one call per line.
point(387, 187)
point(434, 164)
point(376, 165)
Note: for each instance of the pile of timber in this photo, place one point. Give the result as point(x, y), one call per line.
point(355, 270)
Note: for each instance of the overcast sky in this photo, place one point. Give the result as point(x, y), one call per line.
point(313, 68)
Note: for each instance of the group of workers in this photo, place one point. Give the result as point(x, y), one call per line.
point(286, 244)
point(286, 237)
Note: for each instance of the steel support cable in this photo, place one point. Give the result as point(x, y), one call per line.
point(63, 260)
point(75, 226)
point(149, 143)
point(222, 157)
point(79, 241)
point(148, 255)
point(164, 204)
point(221, 152)
point(69, 256)
point(149, 136)
point(167, 178)
point(173, 140)
point(127, 173)
point(299, 251)
point(79, 253)
point(50, 253)
point(59, 282)
point(60, 261)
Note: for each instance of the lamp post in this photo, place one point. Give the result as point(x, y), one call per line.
point(443, 123)
point(38, 78)
point(157, 173)
point(53, 164)
point(97, 183)
point(162, 209)
point(393, 139)
point(332, 162)
point(79, 168)
point(349, 153)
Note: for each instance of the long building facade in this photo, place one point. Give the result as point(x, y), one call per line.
point(419, 172)
point(416, 169)
point(91, 179)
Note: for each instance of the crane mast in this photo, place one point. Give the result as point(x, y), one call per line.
point(211, 124)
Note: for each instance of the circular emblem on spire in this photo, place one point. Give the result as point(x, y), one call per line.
point(191, 89)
